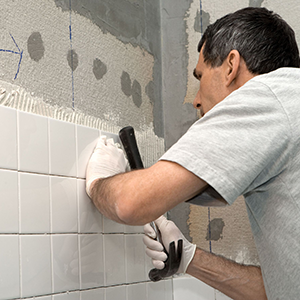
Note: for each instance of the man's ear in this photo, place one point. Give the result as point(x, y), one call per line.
point(232, 66)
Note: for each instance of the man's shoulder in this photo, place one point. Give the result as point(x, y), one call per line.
point(282, 75)
point(279, 83)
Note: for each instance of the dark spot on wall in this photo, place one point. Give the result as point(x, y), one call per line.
point(99, 68)
point(255, 3)
point(126, 84)
point(136, 93)
point(215, 229)
point(35, 46)
point(150, 91)
point(72, 58)
point(202, 20)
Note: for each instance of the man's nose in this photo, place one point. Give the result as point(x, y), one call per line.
point(197, 103)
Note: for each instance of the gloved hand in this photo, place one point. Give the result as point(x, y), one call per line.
point(107, 160)
point(169, 232)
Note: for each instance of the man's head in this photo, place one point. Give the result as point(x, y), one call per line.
point(263, 39)
point(239, 46)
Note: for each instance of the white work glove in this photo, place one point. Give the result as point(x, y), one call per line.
point(107, 160)
point(169, 232)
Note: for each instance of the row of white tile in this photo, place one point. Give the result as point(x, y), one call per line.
point(187, 287)
point(33, 265)
point(39, 144)
point(141, 291)
point(35, 203)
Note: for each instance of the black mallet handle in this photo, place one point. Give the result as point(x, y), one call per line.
point(128, 140)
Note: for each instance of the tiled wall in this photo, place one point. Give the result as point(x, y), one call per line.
point(54, 244)
point(187, 287)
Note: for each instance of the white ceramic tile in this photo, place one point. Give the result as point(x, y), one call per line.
point(64, 204)
point(157, 290)
point(90, 219)
point(91, 260)
point(86, 142)
point(116, 293)
point(8, 138)
point(40, 298)
point(110, 226)
point(134, 229)
point(186, 287)
point(62, 148)
point(34, 203)
point(168, 289)
point(33, 143)
point(95, 294)
point(65, 262)
point(35, 265)
point(114, 257)
point(148, 265)
point(9, 202)
point(67, 296)
point(135, 258)
point(137, 291)
point(9, 267)
point(221, 296)
point(110, 135)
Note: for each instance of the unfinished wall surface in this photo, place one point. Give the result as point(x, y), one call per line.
point(71, 65)
point(224, 231)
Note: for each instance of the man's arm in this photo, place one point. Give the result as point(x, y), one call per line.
point(234, 280)
point(237, 281)
point(141, 196)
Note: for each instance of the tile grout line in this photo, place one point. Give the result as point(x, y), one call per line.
point(51, 235)
point(19, 204)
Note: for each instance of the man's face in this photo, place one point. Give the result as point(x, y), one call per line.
point(212, 88)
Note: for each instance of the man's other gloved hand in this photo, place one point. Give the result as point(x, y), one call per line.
point(169, 232)
point(107, 160)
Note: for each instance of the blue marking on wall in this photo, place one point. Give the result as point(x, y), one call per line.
point(15, 52)
point(71, 46)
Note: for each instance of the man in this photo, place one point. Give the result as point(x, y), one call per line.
point(246, 143)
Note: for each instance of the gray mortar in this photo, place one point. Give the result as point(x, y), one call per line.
point(131, 21)
point(35, 46)
point(255, 3)
point(150, 91)
point(215, 229)
point(126, 83)
point(72, 58)
point(205, 21)
point(99, 68)
point(136, 91)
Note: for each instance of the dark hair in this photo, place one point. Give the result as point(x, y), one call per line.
point(264, 40)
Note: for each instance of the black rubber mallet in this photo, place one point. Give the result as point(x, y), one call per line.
point(172, 263)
